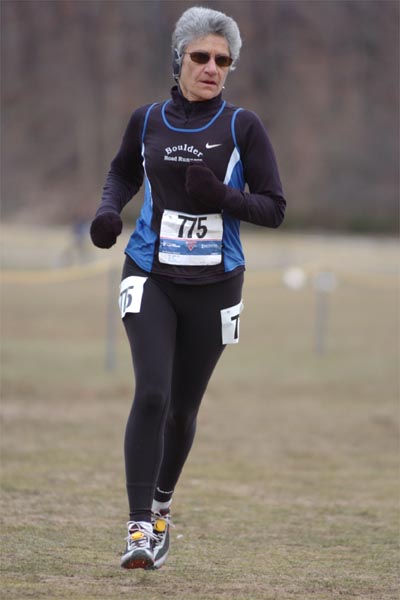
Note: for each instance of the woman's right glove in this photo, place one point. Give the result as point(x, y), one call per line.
point(204, 187)
point(105, 229)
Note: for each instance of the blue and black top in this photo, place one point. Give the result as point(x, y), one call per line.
point(173, 236)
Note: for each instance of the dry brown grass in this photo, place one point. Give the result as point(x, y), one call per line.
point(291, 489)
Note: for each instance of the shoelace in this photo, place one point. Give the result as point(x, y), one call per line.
point(140, 541)
point(158, 516)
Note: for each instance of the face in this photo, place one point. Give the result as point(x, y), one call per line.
point(203, 82)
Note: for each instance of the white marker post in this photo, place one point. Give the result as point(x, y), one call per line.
point(112, 316)
point(324, 284)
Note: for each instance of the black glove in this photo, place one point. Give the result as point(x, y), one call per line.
point(203, 186)
point(105, 229)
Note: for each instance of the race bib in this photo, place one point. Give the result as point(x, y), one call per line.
point(230, 321)
point(130, 294)
point(191, 240)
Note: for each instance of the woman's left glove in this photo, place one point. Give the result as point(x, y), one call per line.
point(204, 187)
point(105, 229)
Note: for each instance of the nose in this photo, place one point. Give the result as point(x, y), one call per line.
point(211, 66)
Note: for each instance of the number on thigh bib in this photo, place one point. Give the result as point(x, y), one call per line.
point(230, 322)
point(130, 294)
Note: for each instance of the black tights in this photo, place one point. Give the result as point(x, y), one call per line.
point(175, 342)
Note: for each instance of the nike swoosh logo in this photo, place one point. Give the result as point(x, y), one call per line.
point(209, 146)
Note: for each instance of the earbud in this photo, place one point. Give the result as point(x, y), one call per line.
point(176, 64)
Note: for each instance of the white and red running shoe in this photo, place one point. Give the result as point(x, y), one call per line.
point(140, 542)
point(161, 524)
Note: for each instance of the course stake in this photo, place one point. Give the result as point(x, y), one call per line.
point(112, 315)
point(324, 284)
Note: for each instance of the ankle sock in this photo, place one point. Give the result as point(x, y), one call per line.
point(161, 507)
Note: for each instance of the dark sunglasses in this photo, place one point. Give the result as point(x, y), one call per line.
point(202, 58)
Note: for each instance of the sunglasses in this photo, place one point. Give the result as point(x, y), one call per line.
point(202, 58)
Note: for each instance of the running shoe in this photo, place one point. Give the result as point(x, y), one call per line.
point(161, 524)
point(139, 547)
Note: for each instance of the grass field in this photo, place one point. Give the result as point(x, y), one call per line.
point(291, 490)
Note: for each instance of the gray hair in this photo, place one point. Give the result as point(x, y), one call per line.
point(198, 22)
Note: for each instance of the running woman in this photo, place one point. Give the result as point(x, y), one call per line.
point(181, 288)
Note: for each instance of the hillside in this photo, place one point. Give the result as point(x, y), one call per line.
point(322, 75)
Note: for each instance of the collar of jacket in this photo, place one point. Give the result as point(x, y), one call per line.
point(202, 106)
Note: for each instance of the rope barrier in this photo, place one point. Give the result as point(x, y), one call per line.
point(253, 277)
point(56, 275)
point(316, 274)
point(386, 281)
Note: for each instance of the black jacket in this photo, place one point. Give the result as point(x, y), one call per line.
point(161, 140)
